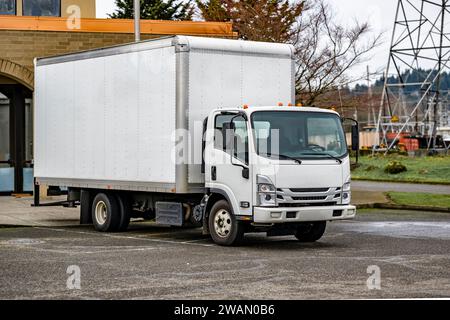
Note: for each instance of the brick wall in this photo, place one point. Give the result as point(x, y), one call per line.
point(21, 47)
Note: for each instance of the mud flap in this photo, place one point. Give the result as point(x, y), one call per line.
point(85, 207)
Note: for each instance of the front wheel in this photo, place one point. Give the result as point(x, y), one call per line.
point(224, 228)
point(311, 232)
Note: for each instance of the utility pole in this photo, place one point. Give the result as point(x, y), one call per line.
point(369, 98)
point(340, 100)
point(137, 20)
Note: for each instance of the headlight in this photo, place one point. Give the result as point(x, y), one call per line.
point(267, 199)
point(346, 192)
point(267, 193)
point(268, 188)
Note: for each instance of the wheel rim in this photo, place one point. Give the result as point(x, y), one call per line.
point(100, 212)
point(222, 223)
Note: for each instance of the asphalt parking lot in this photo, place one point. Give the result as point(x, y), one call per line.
point(411, 250)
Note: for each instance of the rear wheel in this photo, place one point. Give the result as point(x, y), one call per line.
point(105, 213)
point(224, 228)
point(311, 232)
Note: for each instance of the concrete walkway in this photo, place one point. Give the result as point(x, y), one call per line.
point(18, 211)
point(399, 187)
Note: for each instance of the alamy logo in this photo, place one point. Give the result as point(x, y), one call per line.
point(74, 279)
point(74, 18)
point(374, 280)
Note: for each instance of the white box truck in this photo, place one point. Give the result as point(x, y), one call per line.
point(190, 131)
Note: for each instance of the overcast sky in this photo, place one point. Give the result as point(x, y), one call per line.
point(380, 14)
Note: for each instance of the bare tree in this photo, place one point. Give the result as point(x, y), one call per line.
point(326, 51)
point(258, 20)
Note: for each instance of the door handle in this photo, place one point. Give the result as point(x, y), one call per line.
point(213, 173)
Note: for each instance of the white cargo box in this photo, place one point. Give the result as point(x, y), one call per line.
point(106, 118)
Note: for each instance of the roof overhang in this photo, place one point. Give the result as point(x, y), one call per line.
point(157, 27)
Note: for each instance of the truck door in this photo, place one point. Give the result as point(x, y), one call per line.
point(227, 168)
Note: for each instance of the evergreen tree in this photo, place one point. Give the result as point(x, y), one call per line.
point(155, 10)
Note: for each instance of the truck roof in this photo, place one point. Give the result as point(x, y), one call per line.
point(252, 109)
point(181, 43)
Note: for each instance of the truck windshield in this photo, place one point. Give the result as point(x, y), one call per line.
point(298, 135)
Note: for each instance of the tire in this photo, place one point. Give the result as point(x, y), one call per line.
point(225, 230)
point(125, 212)
point(311, 232)
point(105, 213)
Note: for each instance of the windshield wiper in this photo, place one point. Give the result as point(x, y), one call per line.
point(270, 155)
point(323, 154)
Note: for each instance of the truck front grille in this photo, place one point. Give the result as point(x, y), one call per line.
point(300, 205)
point(309, 190)
point(296, 197)
point(309, 198)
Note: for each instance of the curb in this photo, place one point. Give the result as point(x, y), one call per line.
point(433, 183)
point(400, 207)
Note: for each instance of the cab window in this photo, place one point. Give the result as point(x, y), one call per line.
point(240, 149)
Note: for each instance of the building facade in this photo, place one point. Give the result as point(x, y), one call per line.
point(38, 28)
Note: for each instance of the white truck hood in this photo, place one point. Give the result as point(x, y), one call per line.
point(310, 174)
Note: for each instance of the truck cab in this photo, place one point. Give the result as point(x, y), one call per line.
point(280, 170)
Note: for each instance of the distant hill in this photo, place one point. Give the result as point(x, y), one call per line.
point(415, 76)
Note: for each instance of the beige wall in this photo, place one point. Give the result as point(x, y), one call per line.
point(87, 7)
point(19, 7)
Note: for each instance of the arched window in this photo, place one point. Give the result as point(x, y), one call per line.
point(50, 8)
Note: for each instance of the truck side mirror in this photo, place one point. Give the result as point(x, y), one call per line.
point(228, 135)
point(355, 137)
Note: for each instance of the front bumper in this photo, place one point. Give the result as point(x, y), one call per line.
point(303, 214)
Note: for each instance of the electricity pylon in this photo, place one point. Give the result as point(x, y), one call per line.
point(419, 55)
